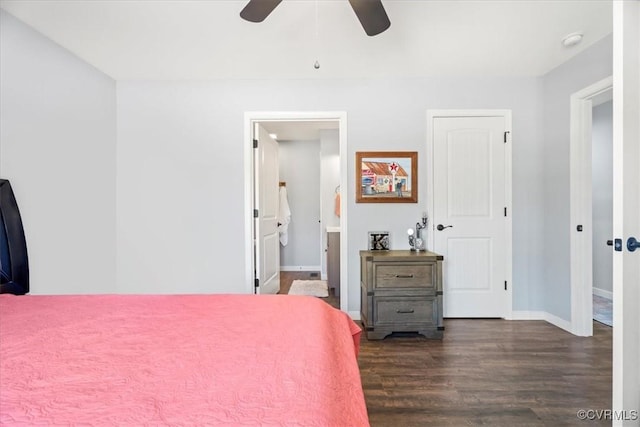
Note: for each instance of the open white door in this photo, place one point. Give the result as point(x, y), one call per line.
point(470, 199)
point(266, 203)
point(626, 212)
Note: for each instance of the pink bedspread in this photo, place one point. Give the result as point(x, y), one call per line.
point(178, 360)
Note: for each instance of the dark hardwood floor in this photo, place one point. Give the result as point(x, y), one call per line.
point(484, 372)
point(487, 372)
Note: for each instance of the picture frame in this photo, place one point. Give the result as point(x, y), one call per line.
point(387, 177)
point(378, 241)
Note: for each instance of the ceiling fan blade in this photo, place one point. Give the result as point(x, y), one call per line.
point(372, 15)
point(258, 10)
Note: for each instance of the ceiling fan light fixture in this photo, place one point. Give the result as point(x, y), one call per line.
point(258, 10)
point(572, 39)
point(370, 13)
point(372, 16)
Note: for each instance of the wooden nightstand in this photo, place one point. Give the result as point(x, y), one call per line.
point(401, 291)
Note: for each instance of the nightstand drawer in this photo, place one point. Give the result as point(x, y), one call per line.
point(407, 275)
point(405, 311)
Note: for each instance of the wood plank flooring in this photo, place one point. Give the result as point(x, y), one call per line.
point(484, 372)
point(487, 372)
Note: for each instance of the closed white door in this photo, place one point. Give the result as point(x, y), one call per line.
point(266, 203)
point(469, 211)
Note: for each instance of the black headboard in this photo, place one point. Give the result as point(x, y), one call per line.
point(14, 265)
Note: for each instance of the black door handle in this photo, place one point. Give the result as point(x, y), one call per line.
point(632, 244)
point(609, 242)
point(441, 227)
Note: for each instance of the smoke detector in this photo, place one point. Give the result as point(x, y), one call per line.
point(572, 39)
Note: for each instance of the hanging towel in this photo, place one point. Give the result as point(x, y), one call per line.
point(284, 217)
point(338, 205)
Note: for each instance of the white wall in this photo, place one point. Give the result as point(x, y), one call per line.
point(57, 147)
point(329, 181)
point(179, 176)
point(300, 169)
point(180, 227)
point(584, 69)
point(602, 180)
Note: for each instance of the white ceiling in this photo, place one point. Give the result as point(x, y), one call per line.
point(205, 39)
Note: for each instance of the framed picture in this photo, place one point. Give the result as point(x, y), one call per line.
point(386, 177)
point(378, 241)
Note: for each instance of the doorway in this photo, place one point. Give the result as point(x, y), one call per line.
point(602, 206)
point(298, 133)
point(469, 156)
point(581, 205)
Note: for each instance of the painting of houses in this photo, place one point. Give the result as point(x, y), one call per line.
point(377, 178)
point(386, 177)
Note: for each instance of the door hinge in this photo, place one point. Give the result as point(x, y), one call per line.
point(505, 211)
point(505, 285)
point(255, 213)
point(255, 143)
point(505, 136)
point(257, 283)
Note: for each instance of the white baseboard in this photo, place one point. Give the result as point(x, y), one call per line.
point(300, 268)
point(560, 323)
point(517, 315)
point(323, 276)
point(602, 293)
point(527, 315)
point(542, 315)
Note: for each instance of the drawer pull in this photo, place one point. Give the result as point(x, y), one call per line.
point(404, 276)
point(404, 311)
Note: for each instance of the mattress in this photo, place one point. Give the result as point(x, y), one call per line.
point(178, 360)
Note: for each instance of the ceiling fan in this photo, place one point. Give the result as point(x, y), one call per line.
point(371, 13)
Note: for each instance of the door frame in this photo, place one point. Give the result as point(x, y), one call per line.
point(580, 206)
point(626, 200)
point(431, 116)
point(251, 117)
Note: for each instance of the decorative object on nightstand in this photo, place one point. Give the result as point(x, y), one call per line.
point(417, 237)
point(378, 241)
point(401, 291)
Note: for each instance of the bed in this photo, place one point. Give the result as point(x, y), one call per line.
point(178, 360)
point(14, 265)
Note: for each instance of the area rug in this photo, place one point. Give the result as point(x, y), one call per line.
point(603, 310)
point(314, 288)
